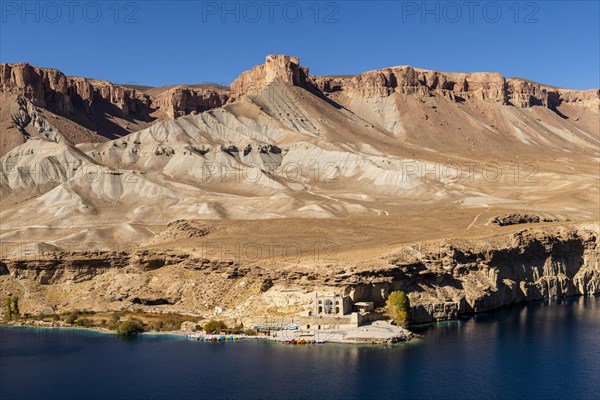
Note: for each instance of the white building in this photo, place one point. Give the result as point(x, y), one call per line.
point(331, 305)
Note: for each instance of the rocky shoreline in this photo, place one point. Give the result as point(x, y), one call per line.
point(443, 279)
point(62, 325)
point(376, 334)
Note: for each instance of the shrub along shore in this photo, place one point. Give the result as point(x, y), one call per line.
point(123, 323)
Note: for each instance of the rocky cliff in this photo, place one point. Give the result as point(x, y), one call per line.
point(51, 89)
point(179, 101)
point(277, 68)
point(491, 87)
point(449, 278)
point(444, 279)
point(89, 110)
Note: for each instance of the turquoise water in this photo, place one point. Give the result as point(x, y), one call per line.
point(542, 350)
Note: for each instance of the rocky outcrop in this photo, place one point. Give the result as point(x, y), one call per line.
point(443, 279)
point(58, 268)
point(55, 267)
point(89, 110)
point(458, 87)
point(51, 89)
point(523, 93)
point(277, 68)
point(514, 219)
point(177, 102)
point(28, 120)
point(450, 278)
point(181, 230)
point(490, 87)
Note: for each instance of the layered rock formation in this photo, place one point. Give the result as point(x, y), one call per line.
point(444, 279)
point(491, 87)
point(91, 110)
point(277, 68)
point(28, 120)
point(50, 88)
point(452, 278)
point(94, 110)
point(178, 101)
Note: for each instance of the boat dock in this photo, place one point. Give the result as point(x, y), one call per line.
point(217, 338)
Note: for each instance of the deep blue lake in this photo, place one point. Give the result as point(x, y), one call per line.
point(541, 350)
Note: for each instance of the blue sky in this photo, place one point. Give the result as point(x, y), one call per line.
point(157, 43)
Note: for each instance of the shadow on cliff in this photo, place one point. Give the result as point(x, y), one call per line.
point(416, 277)
point(531, 261)
point(100, 117)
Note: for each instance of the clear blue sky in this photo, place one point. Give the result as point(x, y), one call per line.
point(158, 43)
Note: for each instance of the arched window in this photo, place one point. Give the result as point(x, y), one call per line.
point(337, 302)
point(320, 309)
point(337, 310)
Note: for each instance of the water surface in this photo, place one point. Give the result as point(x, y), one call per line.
point(542, 350)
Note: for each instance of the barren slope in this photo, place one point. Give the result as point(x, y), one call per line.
point(342, 171)
point(89, 110)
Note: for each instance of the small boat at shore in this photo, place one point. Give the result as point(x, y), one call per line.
point(216, 338)
point(304, 341)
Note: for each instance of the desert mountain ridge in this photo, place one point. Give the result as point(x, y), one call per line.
point(282, 143)
point(467, 191)
point(92, 110)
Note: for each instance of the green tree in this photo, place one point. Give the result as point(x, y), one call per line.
point(85, 322)
point(71, 318)
point(15, 307)
point(130, 327)
point(8, 312)
point(214, 326)
point(398, 308)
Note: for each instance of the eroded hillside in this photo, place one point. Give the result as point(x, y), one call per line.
point(444, 278)
point(340, 170)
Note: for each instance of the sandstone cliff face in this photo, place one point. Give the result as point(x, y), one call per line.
point(177, 102)
point(448, 278)
point(50, 88)
point(523, 93)
point(90, 110)
point(458, 87)
point(276, 68)
point(443, 279)
point(491, 87)
point(93, 110)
